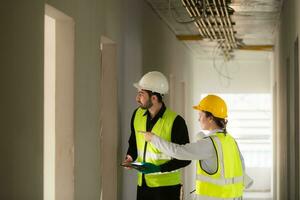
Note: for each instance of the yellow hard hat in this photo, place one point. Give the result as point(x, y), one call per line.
point(213, 104)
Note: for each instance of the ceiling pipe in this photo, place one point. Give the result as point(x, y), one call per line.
point(212, 30)
point(213, 21)
point(230, 25)
point(219, 31)
point(199, 22)
point(226, 32)
point(199, 18)
point(191, 15)
point(222, 26)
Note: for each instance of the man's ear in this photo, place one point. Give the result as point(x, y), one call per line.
point(154, 98)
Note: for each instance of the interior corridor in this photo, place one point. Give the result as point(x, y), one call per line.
point(67, 96)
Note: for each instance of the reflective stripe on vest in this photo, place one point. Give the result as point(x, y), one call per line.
point(227, 182)
point(199, 197)
point(221, 181)
point(162, 128)
point(154, 156)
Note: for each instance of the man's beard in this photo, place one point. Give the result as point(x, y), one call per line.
point(148, 104)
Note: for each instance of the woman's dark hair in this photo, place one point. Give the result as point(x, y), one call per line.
point(219, 121)
point(158, 95)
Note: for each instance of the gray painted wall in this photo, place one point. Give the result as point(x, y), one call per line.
point(129, 73)
point(22, 89)
point(22, 65)
point(93, 18)
point(21, 99)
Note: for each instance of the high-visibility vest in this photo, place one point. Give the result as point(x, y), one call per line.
point(227, 181)
point(162, 128)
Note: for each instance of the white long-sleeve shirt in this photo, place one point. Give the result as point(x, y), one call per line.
point(202, 150)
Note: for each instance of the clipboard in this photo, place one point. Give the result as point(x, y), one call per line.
point(135, 165)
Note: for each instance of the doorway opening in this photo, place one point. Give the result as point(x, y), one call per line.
point(108, 119)
point(58, 105)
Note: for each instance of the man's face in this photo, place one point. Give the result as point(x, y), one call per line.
point(143, 99)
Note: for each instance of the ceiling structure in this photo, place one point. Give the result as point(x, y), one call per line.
point(221, 27)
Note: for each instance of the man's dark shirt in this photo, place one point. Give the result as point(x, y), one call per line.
point(179, 135)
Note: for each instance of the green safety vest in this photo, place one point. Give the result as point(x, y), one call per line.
point(163, 129)
point(227, 181)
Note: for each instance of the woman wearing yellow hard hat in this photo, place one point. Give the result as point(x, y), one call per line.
point(220, 167)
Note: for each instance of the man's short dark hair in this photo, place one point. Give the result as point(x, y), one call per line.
point(158, 95)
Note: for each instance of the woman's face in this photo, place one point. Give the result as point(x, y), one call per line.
point(205, 122)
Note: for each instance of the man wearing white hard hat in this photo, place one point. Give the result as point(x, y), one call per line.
point(160, 177)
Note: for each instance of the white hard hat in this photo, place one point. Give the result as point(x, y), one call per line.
point(154, 81)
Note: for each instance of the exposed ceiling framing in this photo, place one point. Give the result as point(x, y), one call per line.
point(225, 25)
